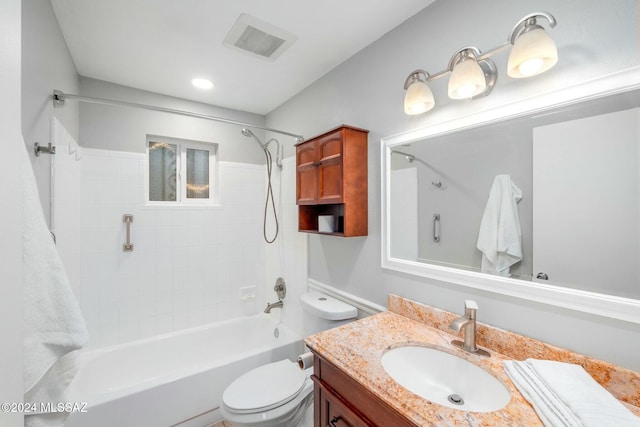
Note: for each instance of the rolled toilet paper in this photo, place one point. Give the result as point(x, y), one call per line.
point(305, 360)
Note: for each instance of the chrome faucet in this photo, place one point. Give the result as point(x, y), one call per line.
point(467, 324)
point(277, 304)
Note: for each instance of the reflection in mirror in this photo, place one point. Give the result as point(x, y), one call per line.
point(577, 222)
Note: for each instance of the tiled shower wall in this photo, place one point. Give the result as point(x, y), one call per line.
point(188, 265)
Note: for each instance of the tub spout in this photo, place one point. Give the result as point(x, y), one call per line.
point(278, 304)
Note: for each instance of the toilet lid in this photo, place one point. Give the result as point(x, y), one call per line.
point(265, 387)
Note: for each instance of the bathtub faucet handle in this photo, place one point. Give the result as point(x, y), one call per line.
point(280, 288)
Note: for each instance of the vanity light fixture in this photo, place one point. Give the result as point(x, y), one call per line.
point(473, 74)
point(470, 77)
point(419, 98)
point(534, 51)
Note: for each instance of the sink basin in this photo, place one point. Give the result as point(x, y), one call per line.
point(445, 379)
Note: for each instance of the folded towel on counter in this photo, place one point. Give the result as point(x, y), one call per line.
point(53, 323)
point(565, 395)
point(500, 236)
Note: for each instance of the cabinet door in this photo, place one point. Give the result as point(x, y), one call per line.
point(334, 412)
point(306, 174)
point(330, 183)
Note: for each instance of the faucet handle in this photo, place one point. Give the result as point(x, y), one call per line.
point(470, 304)
point(470, 308)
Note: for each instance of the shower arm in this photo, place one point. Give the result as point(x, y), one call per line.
point(60, 97)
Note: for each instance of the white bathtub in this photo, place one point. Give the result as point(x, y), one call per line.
point(175, 378)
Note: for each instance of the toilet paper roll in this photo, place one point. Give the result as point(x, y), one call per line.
point(305, 360)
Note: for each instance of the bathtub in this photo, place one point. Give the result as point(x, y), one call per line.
point(177, 378)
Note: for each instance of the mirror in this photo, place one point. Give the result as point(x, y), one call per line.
point(555, 179)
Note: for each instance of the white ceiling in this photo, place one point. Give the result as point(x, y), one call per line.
point(160, 45)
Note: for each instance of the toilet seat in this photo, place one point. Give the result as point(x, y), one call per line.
point(282, 381)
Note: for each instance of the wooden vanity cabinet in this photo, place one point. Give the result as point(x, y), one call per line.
point(332, 179)
point(340, 401)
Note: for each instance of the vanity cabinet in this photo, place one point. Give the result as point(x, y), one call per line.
point(331, 182)
point(340, 401)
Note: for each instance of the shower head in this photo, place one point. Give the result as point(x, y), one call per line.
point(407, 156)
point(247, 132)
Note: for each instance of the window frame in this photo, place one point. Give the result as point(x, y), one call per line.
point(182, 145)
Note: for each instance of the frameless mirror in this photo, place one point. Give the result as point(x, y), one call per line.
point(552, 185)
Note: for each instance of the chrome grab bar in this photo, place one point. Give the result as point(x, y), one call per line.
point(128, 246)
point(436, 227)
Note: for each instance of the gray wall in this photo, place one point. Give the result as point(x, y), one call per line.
point(46, 65)
point(125, 129)
point(366, 91)
point(10, 206)
point(466, 164)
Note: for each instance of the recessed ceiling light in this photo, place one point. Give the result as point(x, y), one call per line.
point(202, 83)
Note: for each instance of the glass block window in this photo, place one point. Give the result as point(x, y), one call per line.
point(180, 171)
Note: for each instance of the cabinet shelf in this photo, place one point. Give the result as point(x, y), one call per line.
point(331, 181)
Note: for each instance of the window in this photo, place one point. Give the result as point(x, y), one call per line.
point(180, 171)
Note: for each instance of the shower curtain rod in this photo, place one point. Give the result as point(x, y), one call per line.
point(60, 97)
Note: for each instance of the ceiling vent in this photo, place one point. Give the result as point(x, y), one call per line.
point(259, 38)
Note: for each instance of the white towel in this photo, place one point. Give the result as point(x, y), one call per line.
point(565, 395)
point(500, 237)
point(53, 323)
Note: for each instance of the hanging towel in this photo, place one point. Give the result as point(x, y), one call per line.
point(565, 395)
point(500, 237)
point(53, 323)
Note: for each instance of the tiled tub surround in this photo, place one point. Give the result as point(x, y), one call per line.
point(188, 263)
point(357, 349)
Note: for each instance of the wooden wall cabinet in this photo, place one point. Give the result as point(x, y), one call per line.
point(340, 401)
point(331, 179)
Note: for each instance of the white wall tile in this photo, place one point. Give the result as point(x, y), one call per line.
point(188, 264)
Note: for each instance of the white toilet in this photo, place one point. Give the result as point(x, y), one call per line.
point(280, 394)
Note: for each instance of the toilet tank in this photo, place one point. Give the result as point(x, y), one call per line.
point(321, 312)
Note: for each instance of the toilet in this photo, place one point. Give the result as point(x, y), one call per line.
point(280, 394)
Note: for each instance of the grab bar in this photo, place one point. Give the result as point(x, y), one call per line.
point(436, 227)
point(128, 246)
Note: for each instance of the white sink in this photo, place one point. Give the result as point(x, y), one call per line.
point(445, 379)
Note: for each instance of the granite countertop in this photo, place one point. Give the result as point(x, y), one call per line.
point(356, 348)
